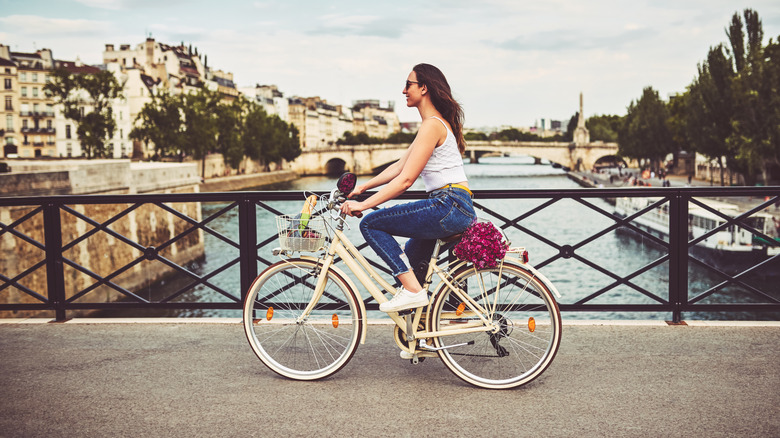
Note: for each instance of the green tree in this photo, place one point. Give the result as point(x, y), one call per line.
point(269, 138)
point(604, 128)
point(475, 136)
point(709, 109)
point(644, 133)
point(754, 99)
point(254, 132)
point(199, 134)
point(230, 128)
point(95, 127)
point(160, 123)
point(571, 126)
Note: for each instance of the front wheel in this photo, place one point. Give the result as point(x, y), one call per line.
point(520, 307)
point(300, 347)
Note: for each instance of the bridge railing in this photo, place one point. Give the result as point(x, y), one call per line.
point(604, 265)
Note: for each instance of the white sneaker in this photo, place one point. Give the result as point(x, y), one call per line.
point(406, 355)
point(404, 300)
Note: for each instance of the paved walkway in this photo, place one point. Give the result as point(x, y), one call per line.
point(191, 378)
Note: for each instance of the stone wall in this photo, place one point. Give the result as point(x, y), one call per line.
point(102, 253)
point(215, 167)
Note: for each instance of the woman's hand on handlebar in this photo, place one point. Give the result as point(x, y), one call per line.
point(359, 190)
point(352, 208)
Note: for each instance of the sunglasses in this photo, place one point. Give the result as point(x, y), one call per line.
point(409, 84)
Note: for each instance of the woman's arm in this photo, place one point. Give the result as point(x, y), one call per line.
point(411, 165)
point(384, 177)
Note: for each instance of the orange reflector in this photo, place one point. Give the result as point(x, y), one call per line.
point(461, 308)
point(335, 320)
point(531, 324)
point(269, 313)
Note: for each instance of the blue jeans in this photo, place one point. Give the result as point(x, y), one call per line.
point(446, 212)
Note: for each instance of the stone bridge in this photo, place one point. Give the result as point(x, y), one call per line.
point(369, 159)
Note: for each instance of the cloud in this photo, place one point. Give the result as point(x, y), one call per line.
point(359, 25)
point(176, 33)
point(33, 26)
point(103, 4)
point(116, 5)
point(563, 41)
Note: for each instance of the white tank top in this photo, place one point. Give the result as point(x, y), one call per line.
point(445, 165)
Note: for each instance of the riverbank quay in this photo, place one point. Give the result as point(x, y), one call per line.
point(240, 182)
point(612, 179)
point(198, 377)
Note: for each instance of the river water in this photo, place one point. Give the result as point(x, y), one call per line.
point(566, 222)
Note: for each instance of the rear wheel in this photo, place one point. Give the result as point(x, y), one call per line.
point(527, 320)
point(307, 348)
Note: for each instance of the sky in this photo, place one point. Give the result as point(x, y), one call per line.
point(508, 62)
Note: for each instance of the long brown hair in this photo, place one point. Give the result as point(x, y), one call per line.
point(441, 97)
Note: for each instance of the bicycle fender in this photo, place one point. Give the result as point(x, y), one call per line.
point(537, 274)
point(351, 284)
point(518, 264)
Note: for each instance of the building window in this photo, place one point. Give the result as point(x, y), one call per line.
point(35, 91)
point(36, 108)
point(24, 91)
point(35, 77)
point(48, 124)
point(9, 122)
point(67, 131)
point(23, 76)
point(8, 104)
point(8, 84)
point(24, 123)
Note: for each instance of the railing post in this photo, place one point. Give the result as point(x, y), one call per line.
point(678, 254)
point(55, 277)
point(247, 237)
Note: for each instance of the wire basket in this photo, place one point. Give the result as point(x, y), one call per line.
point(296, 234)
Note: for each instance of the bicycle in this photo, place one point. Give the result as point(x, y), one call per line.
point(494, 328)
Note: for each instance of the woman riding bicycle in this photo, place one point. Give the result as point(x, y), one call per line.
point(435, 154)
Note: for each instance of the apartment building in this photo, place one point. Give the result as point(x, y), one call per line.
point(9, 116)
point(151, 67)
point(269, 98)
point(36, 135)
point(320, 124)
point(375, 119)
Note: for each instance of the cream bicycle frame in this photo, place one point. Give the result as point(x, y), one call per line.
point(369, 278)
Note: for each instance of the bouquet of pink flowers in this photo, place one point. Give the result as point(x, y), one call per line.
point(482, 244)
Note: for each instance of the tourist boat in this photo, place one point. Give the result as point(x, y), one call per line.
point(732, 248)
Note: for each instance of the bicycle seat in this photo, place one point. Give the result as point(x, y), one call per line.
point(453, 238)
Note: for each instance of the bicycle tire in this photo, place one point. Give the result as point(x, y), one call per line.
point(310, 349)
point(529, 332)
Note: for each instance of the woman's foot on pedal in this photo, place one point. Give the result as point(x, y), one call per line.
point(404, 300)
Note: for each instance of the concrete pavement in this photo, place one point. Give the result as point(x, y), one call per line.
point(190, 377)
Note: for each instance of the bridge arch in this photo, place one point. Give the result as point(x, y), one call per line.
point(367, 159)
point(610, 161)
point(335, 166)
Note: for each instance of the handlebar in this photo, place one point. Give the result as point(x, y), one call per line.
point(335, 200)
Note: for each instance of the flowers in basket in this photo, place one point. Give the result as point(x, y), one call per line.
point(482, 244)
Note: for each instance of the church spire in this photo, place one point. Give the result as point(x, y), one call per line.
point(581, 134)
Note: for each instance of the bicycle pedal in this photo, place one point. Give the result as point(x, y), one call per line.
point(406, 312)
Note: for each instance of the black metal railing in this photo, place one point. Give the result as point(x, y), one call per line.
point(49, 236)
